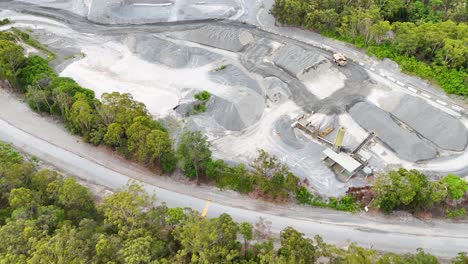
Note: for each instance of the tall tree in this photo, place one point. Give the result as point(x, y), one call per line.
point(64, 247)
point(125, 209)
point(295, 248)
point(194, 154)
point(82, 115)
point(11, 58)
point(208, 240)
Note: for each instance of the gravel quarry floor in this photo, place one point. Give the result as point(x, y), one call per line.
point(267, 80)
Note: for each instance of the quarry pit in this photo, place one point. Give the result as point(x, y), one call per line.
point(163, 52)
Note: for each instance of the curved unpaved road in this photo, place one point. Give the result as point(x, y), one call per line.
point(33, 134)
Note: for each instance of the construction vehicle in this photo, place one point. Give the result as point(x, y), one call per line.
point(339, 59)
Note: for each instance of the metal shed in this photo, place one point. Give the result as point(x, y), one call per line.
point(343, 164)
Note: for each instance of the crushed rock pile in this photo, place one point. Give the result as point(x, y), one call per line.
point(153, 49)
point(406, 145)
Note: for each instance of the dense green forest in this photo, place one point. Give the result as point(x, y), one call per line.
point(428, 38)
point(47, 218)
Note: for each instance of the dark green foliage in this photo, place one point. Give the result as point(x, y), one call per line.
point(51, 219)
point(5, 21)
point(346, 203)
point(227, 177)
point(194, 154)
point(33, 71)
point(268, 179)
point(220, 68)
point(462, 258)
point(202, 98)
point(457, 187)
point(295, 248)
point(11, 59)
point(8, 36)
point(455, 213)
point(44, 195)
point(8, 154)
point(411, 190)
point(429, 37)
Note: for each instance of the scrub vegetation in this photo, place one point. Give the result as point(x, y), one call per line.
point(5, 21)
point(346, 203)
point(411, 190)
point(34, 43)
point(202, 98)
point(426, 38)
point(48, 218)
point(220, 68)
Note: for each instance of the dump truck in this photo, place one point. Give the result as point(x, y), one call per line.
point(339, 59)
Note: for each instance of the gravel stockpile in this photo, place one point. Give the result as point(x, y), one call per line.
point(233, 76)
point(152, 11)
point(153, 49)
point(286, 133)
point(442, 129)
point(223, 37)
point(297, 61)
point(276, 90)
point(207, 9)
point(118, 12)
point(237, 112)
point(407, 145)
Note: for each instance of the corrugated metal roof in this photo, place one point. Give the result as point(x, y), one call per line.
point(345, 161)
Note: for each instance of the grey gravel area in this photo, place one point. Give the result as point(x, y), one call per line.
point(442, 129)
point(297, 61)
point(223, 37)
point(240, 110)
point(407, 145)
point(154, 49)
point(233, 76)
point(356, 89)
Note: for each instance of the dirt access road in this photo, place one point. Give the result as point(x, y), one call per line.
point(33, 134)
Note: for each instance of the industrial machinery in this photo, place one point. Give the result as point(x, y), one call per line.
point(339, 59)
point(344, 164)
point(343, 160)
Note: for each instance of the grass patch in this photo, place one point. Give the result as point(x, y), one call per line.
point(346, 203)
point(200, 106)
point(220, 68)
point(26, 38)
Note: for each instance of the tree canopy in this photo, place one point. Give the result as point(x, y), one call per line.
point(48, 218)
point(427, 38)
